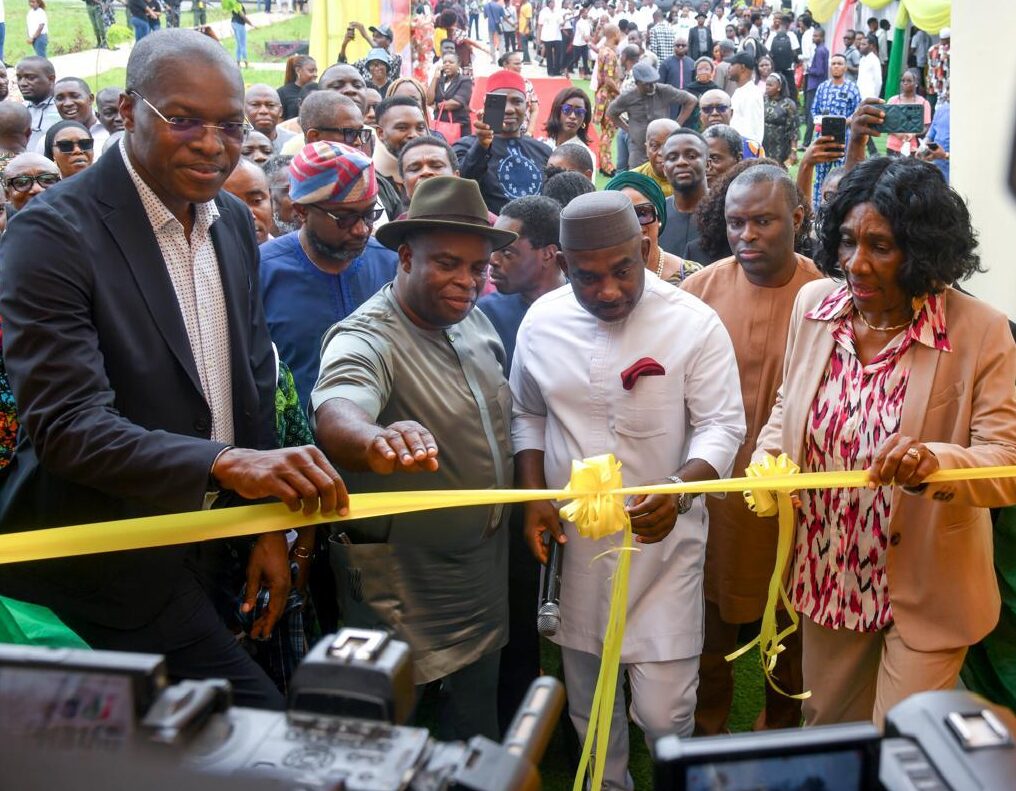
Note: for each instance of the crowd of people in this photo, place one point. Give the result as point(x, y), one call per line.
point(353, 283)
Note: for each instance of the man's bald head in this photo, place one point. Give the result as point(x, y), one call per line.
point(31, 165)
point(107, 109)
point(321, 108)
point(264, 108)
point(768, 174)
point(657, 133)
point(15, 126)
point(715, 107)
point(157, 55)
point(45, 65)
point(344, 79)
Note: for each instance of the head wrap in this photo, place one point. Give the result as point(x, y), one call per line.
point(505, 79)
point(325, 172)
point(57, 127)
point(598, 219)
point(645, 185)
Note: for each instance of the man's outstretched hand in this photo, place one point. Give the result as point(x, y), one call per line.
point(301, 477)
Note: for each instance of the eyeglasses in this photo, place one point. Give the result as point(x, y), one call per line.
point(67, 146)
point(24, 183)
point(349, 219)
point(571, 109)
point(646, 213)
point(195, 127)
point(709, 109)
point(350, 135)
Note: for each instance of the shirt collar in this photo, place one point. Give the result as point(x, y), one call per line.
point(158, 214)
point(928, 326)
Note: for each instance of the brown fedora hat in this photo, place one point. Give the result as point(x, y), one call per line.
point(445, 203)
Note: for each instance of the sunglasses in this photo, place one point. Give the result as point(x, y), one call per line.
point(24, 183)
point(350, 135)
point(67, 146)
point(709, 109)
point(195, 127)
point(349, 219)
point(571, 109)
point(646, 213)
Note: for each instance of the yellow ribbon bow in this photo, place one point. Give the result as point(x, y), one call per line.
point(765, 502)
point(598, 511)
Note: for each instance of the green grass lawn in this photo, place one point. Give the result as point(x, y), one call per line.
point(115, 78)
point(69, 27)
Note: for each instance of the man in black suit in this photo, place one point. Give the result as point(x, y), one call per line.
point(144, 375)
point(700, 38)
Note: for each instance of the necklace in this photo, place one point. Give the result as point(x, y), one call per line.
point(659, 262)
point(883, 329)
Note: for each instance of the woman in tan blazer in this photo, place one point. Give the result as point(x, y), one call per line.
point(889, 369)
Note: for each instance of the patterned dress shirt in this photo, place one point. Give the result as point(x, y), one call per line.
point(194, 271)
point(840, 579)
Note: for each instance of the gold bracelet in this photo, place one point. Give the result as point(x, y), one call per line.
point(303, 553)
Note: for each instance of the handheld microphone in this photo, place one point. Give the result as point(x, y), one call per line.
point(548, 616)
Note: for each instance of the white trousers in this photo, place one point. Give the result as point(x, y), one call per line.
point(662, 701)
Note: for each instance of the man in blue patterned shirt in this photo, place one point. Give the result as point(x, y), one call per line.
point(835, 96)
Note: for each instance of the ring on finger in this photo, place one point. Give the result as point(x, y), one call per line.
point(914, 453)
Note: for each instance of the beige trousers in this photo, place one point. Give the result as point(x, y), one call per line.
point(858, 676)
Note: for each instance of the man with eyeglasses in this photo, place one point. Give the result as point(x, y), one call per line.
point(145, 378)
point(315, 277)
point(36, 78)
point(412, 383)
point(649, 100)
point(715, 108)
point(26, 176)
point(263, 107)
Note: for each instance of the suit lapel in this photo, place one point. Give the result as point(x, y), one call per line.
point(818, 348)
point(132, 232)
point(236, 288)
point(923, 364)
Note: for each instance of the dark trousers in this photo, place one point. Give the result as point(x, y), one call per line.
point(520, 659)
point(474, 23)
point(468, 704)
point(195, 642)
point(98, 25)
point(580, 54)
point(716, 678)
point(788, 75)
point(524, 44)
point(509, 40)
point(809, 119)
point(552, 51)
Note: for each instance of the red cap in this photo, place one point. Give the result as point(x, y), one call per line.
point(505, 79)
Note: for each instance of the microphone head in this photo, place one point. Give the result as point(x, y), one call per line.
point(548, 619)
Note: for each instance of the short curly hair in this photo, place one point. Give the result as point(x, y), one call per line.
point(712, 221)
point(929, 220)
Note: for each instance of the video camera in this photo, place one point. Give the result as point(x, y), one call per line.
point(64, 714)
point(934, 741)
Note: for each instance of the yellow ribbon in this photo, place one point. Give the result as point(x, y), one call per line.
point(767, 503)
point(597, 509)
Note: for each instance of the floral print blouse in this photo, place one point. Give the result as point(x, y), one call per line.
point(840, 578)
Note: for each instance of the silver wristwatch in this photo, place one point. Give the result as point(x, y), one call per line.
point(684, 499)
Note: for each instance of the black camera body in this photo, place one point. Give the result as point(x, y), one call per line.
point(934, 741)
point(342, 731)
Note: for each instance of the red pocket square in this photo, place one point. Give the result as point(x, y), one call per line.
point(647, 366)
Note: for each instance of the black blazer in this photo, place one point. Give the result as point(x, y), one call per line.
point(694, 50)
point(114, 422)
